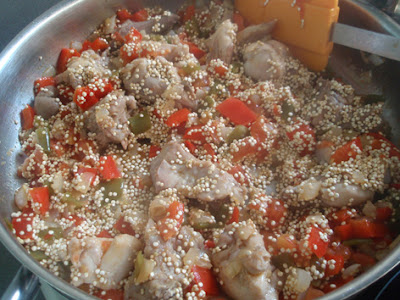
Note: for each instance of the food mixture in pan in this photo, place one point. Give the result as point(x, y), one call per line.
point(190, 156)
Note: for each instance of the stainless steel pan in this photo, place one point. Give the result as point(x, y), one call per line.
point(38, 46)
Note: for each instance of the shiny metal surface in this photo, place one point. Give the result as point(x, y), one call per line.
point(37, 47)
point(24, 286)
point(377, 43)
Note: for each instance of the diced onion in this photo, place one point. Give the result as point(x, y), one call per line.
point(21, 196)
point(197, 257)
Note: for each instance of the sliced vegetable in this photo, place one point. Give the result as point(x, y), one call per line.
point(235, 216)
point(363, 259)
point(73, 199)
point(22, 225)
point(195, 50)
point(51, 234)
point(27, 117)
point(189, 13)
point(206, 277)
point(85, 98)
point(317, 242)
point(169, 226)
point(140, 16)
point(108, 168)
point(140, 123)
point(239, 174)
point(239, 21)
point(38, 255)
point(112, 294)
point(236, 111)
point(209, 149)
point(124, 227)
point(383, 213)
point(143, 268)
point(195, 133)
point(112, 189)
point(347, 151)
point(98, 44)
point(43, 82)
point(190, 146)
point(357, 242)
point(335, 264)
point(123, 15)
point(366, 229)
point(154, 151)
point(104, 234)
point(43, 137)
point(40, 199)
point(178, 118)
point(65, 55)
point(238, 133)
point(304, 137)
point(345, 232)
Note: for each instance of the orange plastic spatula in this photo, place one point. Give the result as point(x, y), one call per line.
point(309, 28)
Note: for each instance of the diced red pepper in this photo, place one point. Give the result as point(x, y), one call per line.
point(275, 212)
point(27, 117)
point(236, 111)
point(246, 147)
point(112, 294)
point(285, 241)
point(209, 149)
point(85, 98)
point(129, 52)
point(133, 36)
point(189, 13)
point(383, 213)
point(195, 133)
point(337, 266)
point(154, 151)
point(209, 244)
point(336, 283)
point(65, 93)
point(349, 150)
point(101, 87)
point(190, 146)
point(98, 44)
point(239, 21)
point(77, 220)
point(316, 243)
point(40, 198)
point(239, 174)
point(221, 70)
point(206, 277)
point(23, 225)
point(41, 83)
point(366, 229)
point(363, 259)
point(104, 234)
point(340, 216)
point(235, 216)
point(306, 134)
point(344, 232)
point(177, 118)
point(108, 168)
point(123, 15)
point(124, 227)
point(65, 55)
point(140, 16)
point(312, 294)
point(174, 217)
point(195, 50)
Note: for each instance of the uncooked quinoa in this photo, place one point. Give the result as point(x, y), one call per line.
point(190, 156)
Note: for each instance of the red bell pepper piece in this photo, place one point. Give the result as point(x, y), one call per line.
point(206, 277)
point(221, 70)
point(112, 294)
point(209, 149)
point(123, 15)
point(40, 197)
point(93, 171)
point(177, 118)
point(140, 16)
point(209, 244)
point(124, 227)
point(307, 136)
point(366, 229)
point(195, 133)
point(23, 225)
point(340, 216)
point(27, 117)
point(195, 50)
point(41, 83)
point(85, 98)
point(190, 146)
point(239, 174)
point(98, 44)
point(349, 150)
point(104, 234)
point(315, 242)
point(235, 216)
point(383, 213)
point(344, 232)
point(108, 168)
point(337, 266)
point(65, 55)
point(154, 151)
point(236, 111)
point(189, 13)
point(174, 217)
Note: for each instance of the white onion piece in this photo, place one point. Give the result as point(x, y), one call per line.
point(158, 208)
point(76, 45)
point(21, 196)
point(50, 72)
point(58, 182)
point(299, 280)
point(197, 257)
point(351, 271)
point(309, 189)
point(369, 210)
